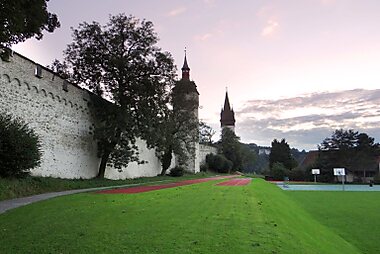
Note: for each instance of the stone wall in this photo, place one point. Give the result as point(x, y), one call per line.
point(204, 150)
point(59, 113)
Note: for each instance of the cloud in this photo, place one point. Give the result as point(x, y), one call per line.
point(176, 11)
point(270, 28)
point(204, 37)
point(307, 119)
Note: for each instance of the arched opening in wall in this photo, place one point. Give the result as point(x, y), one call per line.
point(71, 104)
point(35, 89)
point(27, 85)
point(58, 98)
point(16, 82)
point(51, 95)
point(5, 78)
point(65, 101)
point(44, 92)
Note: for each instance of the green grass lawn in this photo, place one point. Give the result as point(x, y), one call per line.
point(15, 188)
point(200, 218)
point(355, 216)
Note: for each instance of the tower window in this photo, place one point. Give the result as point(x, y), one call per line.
point(38, 71)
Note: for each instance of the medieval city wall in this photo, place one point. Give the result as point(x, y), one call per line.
point(59, 113)
point(204, 150)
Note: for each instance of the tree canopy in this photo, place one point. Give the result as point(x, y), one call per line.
point(120, 62)
point(349, 149)
point(206, 133)
point(280, 152)
point(241, 156)
point(230, 147)
point(23, 19)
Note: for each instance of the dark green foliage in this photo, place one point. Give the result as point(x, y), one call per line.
point(204, 167)
point(243, 158)
point(205, 133)
point(177, 171)
point(297, 174)
point(121, 62)
point(218, 163)
point(279, 171)
point(249, 158)
point(175, 133)
point(348, 149)
point(23, 19)
point(230, 147)
point(19, 147)
point(280, 152)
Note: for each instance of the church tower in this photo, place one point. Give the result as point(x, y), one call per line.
point(227, 115)
point(186, 103)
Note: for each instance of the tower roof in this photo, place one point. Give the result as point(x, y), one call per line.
point(227, 116)
point(185, 69)
point(227, 106)
point(185, 65)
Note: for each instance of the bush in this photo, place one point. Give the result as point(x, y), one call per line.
point(204, 167)
point(19, 147)
point(218, 163)
point(279, 171)
point(177, 171)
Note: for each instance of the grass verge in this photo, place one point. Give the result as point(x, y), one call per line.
point(199, 218)
point(352, 215)
point(15, 188)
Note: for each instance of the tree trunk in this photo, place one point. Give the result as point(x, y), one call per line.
point(103, 164)
point(166, 160)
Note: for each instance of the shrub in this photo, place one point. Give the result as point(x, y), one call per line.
point(279, 171)
point(218, 163)
point(19, 147)
point(204, 167)
point(177, 171)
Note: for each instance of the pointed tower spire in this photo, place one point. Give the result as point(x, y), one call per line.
point(227, 106)
point(185, 69)
point(227, 116)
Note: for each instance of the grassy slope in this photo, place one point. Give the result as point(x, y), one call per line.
point(200, 218)
point(15, 188)
point(353, 215)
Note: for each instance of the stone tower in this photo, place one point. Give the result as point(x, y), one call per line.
point(227, 115)
point(186, 102)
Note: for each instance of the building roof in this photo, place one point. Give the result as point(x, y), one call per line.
point(227, 116)
point(185, 65)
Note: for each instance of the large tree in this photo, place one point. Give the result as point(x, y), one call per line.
point(280, 152)
point(23, 19)
point(349, 149)
point(231, 148)
point(171, 136)
point(120, 62)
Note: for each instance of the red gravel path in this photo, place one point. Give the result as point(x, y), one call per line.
point(140, 189)
point(236, 182)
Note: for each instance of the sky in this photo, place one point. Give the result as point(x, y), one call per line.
point(295, 69)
